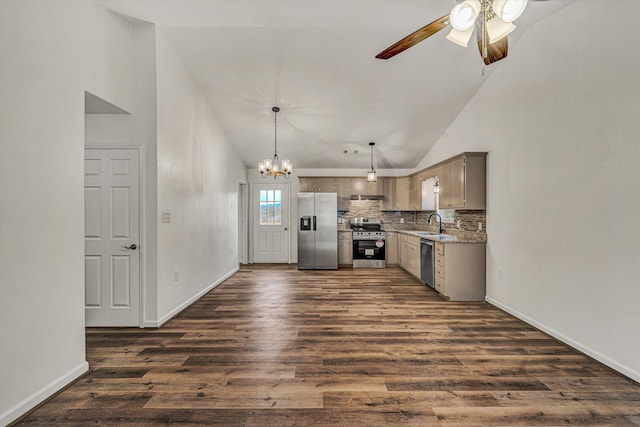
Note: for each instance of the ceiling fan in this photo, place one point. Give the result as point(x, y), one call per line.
point(492, 20)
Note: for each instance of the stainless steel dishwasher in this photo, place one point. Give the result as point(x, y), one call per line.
point(427, 263)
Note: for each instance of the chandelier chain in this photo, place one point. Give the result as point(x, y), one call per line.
point(275, 129)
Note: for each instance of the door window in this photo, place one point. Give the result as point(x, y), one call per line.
point(270, 207)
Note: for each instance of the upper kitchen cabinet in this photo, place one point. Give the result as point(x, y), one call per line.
point(402, 195)
point(463, 182)
point(318, 185)
point(395, 193)
point(360, 187)
point(344, 193)
point(342, 186)
point(388, 190)
point(415, 192)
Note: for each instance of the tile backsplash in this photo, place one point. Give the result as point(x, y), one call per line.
point(417, 220)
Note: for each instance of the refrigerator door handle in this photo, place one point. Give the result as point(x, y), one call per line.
point(314, 223)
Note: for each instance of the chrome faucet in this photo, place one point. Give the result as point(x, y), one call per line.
point(440, 218)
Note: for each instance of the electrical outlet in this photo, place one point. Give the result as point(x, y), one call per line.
point(176, 276)
point(479, 226)
point(166, 217)
point(401, 220)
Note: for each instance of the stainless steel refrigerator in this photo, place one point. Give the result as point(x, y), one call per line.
point(317, 231)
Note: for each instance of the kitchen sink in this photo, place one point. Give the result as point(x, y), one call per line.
point(435, 236)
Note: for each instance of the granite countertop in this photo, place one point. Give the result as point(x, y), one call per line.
point(444, 238)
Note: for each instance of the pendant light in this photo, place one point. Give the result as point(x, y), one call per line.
point(372, 175)
point(273, 167)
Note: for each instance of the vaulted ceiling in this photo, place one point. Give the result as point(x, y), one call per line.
point(315, 59)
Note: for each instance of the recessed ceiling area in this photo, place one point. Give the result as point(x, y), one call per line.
point(315, 59)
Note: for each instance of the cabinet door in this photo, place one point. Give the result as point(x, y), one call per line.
point(358, 186)
point(402, 197)
point(391, 248)
point(388, 186)
point(404, 252)
point(344, 193)
point(345, 248)
point(305, 185)
point(327, 185)
point(415, 193)
point(452, 184)
point(318, 185)
point(414, 260)
point(361, 186)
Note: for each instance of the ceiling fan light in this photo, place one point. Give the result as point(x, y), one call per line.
point(463, 15)
point(497, 29)
point(509, 10)
point(460, 38)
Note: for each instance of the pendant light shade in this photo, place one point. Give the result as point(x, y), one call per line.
point(372, 174)
point(273, 167)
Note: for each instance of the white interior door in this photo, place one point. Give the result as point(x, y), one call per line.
point(112, 237)
point(271, 223)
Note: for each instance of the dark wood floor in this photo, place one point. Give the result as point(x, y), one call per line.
point(273, 346)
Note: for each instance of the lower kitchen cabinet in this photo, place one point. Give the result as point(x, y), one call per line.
point(391, 248)
point(345, 247)
point(460, 271)
point(409, 257)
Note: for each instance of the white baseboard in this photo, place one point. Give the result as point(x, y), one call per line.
point(41, 395)
point(150, 324)
point(613, 364)
point(191, 300)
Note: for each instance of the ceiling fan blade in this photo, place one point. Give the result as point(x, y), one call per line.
point(414, 38)
point(495, 51)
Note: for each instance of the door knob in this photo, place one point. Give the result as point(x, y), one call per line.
point(133, 247)
point(285, 229)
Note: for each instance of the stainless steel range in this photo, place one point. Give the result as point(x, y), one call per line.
point(369, 243)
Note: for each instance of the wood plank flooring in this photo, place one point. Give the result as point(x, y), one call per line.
point(274, 346)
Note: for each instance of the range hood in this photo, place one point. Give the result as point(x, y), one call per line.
point(366, 197)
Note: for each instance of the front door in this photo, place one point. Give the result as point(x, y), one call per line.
point(112, 237)
point(271, 223)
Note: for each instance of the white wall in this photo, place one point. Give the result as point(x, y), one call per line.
point(108, 59)
point(198, 175)
point(41, 203)
point(560, 119)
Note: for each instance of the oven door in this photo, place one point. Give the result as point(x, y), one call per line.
point(373, 249)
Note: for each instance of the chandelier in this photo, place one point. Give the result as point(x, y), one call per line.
point(496, 18)
point(372, 175)
point(273, 167)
